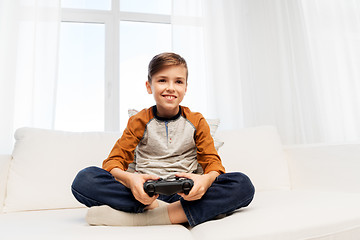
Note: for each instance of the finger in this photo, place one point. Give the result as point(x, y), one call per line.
point(146, 200)
point(185, 197)
point(141, 195)
point(189, 198)
point(193, 195)
point(182, 195)
point(144, 195)
point(151, 177)
point(185, 175)
point(150, 200)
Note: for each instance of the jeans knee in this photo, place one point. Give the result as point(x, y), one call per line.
point(85, 178)
point(243, 186)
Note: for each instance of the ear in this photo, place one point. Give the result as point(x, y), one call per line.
point(148, 87)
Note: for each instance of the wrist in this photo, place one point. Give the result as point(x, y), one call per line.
point(212, 176)
point(122, 176)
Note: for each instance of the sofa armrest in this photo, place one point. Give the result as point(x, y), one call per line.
point(333, 167)
point(4, 169)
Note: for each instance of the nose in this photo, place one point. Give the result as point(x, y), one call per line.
point(170, 87)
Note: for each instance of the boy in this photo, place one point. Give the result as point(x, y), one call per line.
point(169, 140)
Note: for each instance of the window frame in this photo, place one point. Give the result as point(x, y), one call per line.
point(111, 20)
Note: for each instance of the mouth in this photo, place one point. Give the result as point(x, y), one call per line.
point(169, 97)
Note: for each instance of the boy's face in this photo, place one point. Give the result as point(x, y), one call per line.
point(168, 87)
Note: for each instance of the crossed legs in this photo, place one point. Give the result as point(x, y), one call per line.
point(94, 186)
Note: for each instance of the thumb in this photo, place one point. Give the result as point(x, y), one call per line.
point(184, 175)
point(151, 177)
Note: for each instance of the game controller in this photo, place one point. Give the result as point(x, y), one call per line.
point(168, 186)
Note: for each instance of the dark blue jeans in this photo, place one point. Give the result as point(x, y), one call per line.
point(94, 186)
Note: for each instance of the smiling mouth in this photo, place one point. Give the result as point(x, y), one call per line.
point(169, 97)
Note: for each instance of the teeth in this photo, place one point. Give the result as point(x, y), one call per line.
point(170, 97)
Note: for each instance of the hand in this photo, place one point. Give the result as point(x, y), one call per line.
point(136, 185)
point(135, 182)
point(201, 184)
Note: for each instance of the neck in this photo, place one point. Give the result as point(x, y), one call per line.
point(165, 117)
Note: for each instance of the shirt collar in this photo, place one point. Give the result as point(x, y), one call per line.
point(154, 109)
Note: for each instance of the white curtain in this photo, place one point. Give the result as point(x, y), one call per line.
point(288, 63)
point(29, 31)
point(293, 64)
point(333, 33)
point(188, 41)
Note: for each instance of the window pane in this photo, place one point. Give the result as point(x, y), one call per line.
point(87, 4)
point(139, 42)
point(80, 89)
point(146, 6)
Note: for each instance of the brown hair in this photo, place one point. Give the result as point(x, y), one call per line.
point(163, 60)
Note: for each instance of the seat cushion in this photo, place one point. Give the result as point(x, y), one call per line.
point(70, 224)
point(289, 215)
point(281, 215)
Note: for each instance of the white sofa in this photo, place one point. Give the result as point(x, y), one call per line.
point(302, 192)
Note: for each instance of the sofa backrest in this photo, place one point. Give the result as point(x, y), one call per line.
point(258, 153)
point(45, 163)
point(4, 169)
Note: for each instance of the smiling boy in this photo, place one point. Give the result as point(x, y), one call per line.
point(165, 140)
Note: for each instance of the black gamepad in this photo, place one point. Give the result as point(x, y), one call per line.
point(168, 186)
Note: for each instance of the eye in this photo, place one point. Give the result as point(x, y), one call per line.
point(179, 81)
point(161, 80)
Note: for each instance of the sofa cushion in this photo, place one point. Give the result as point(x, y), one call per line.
point(45, 163)
point(285, 215)
point(258, 153)
point(281, 215)
point(69, 224)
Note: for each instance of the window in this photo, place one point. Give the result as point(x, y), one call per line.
point(105, 47)
point(80, 88)
point(87, 4)
point(148, 40)
point(146, 6)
